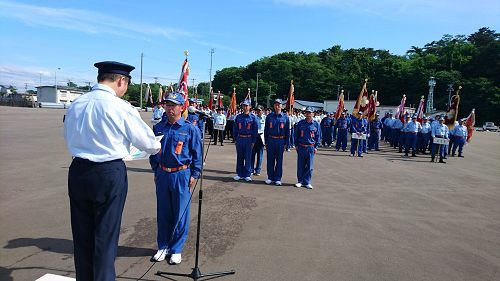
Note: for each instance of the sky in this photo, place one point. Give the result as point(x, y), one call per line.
point(42, 40)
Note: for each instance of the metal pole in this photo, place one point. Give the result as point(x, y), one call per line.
point(269, 97)
point(56, 82)
point(338, 91)
point(257, 89)
point(430, 100)
point(140, 103)
point(450, 88)
point(211, 54)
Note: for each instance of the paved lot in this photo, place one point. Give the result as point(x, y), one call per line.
point(381, 217)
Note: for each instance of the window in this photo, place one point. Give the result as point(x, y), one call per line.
point(63, 93)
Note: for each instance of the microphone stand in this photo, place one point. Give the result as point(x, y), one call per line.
point(196, 273)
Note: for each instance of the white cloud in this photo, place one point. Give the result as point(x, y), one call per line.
point(217, 46)
point(86, 21)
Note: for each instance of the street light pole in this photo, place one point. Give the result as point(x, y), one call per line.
point(338, 91)
point(257, 89)
point(56, 80)
point(211, 54)
point(269, 97)
point(430, 100)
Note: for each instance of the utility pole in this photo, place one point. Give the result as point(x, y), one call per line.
point(56, 80)
point(211, 54)
point(257, 89)
point(156, 80)
point(338, 91)
point(89, 86)
point(269, 97)
point(140, 102)
point(430, 99)
point(193, 85)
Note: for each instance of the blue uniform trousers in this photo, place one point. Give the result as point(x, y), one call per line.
point(355, 145)
point(460, 142)
point(422, 141)
point(436, 147)
point(327, 134)
point(257, 151)
point(411, 141)
point(292, 139)
point(243, 156)
point(334, 129)
point(341, 139)
point(97, 193)
point(402, 138)
point(373, 140)
point(395, 135)
point(274, 153)
point(173, 204)
point(305, 160)
point(451, 145)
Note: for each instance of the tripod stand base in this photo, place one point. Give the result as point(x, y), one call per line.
point(196, 274)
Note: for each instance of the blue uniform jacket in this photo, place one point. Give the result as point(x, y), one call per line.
point(180, 145)
point(358, 126)
point(342, 123)
point(245, 125)
point(375, 124)
point(308, 133)
point(194, 119)
point(277, 126)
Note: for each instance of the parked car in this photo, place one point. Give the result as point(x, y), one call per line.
point(490, 126)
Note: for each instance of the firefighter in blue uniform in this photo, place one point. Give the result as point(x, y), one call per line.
point(176, 168)
point(460, 133)
point(307, 137)
point(327, 130)
point(439, 131)
point(423, 135)
point(245, 132)
point(358, 127)
point(99, 128)
point(411, 129)
point(342, 125)
point(194, 118)
point(375, 129)
point(258, 148)
point(364, 143)
point(383, 129)
point(277, 136)
point(396, 127)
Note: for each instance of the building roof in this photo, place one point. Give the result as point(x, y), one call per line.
point(310, 103)
point(64, 87)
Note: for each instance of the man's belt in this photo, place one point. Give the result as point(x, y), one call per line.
point(326, 126)
point(342, 128)
point(306, 145)
point(412, 132)
point(439, 135)
point(173, 169)
point(244, 136)
point(376, 129)
point(273, 137)
point(459, 136)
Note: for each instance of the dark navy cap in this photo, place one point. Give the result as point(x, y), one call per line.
point(114, 67)
point(278, 100)
point(377, 114)
point(175, 98)
point(360, 112)
point(441, 118)
point(309, 109)
point(390, 113)
point(259, 107)
point(414, 117)
point(192, 99)
point(220, 108)
point(343, 113)
point(246, 102)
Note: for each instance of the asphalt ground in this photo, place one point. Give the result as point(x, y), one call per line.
point(380, 217)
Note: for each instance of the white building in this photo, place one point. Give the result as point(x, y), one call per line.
point(63, 95)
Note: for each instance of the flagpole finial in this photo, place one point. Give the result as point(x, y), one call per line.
point(234, 89)
point(186, 52)
point(291, 81)
point(404, 96)
point(249, 89)
point(342, 91)
point(218, 91)
point(376, 92)
point(373, 91)
point(422, 97)
point(366, 80)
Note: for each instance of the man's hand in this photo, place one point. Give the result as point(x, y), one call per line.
point(315, 150)
point(155, 180)
point(284, 148)
point(191, 184)
point(234, 143)
point(252, 145)
point(297, 149)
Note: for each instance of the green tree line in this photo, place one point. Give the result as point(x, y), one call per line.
point(472, 62)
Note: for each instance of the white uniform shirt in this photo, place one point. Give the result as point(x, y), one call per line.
point(99, 126)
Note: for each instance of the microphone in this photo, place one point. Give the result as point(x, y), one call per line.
point(192, 109)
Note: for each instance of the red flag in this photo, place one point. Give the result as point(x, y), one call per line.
point(248, 95)
point(399, 110)
point(149, 97)
point(219, 100)
point(183, 86)
point(340, 106)
point(291, 98)
point(420, 110)
point(211, 101)
point(451, 114)
point(362, 101)
point(469, 123)
point(232, 106)
point(160, 94)
point(372, 107)
point(171, 90)
point(196, 94)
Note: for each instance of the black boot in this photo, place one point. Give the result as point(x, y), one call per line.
point(441, 160)
point(406, 152)
point(453, 154)
point(445, 155)
point(414, 154)
point(400, 150)
point(432, 159)
point(460, 155)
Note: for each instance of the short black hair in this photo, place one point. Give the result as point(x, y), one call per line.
point(111, 77)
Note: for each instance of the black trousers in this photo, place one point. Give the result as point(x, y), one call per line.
point(97, 193)
point(219, 134)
